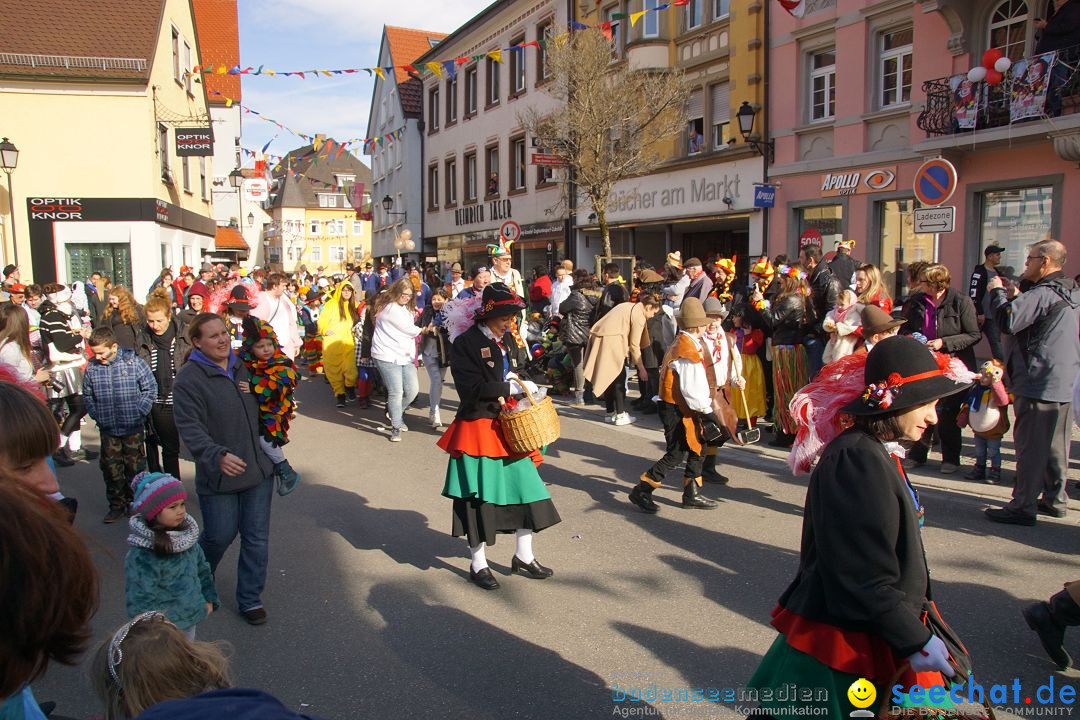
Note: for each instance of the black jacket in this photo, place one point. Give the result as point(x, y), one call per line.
point(824, 292)
point(957, 325)
point(476, 363)
point(786, 320)
point(427, 315)
point(576, 311)
point(56, 329)
point(862, 565)
point(613, 294)
point(977, 289)
point(843, 268)
point(1062, 29)
point(127, 336)
point(181, 349)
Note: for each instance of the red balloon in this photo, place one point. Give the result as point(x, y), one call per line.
point(993, 77)
point(990, 57)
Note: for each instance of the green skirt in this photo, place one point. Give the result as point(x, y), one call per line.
point(789, 678)
point(499, 481)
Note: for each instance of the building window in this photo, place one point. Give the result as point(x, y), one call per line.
point(895, 77)
point(517, 66)
point(187, 66)
point(470, 178)
point(1009, 28)
point(185, 164)
point(313, 227)
point(177, 70)
point(695, 14)
point(721, 9)
point(326, 200)
point(451, 182)
point(451, 100)
point(824, 220)
point(203, 184)
point(544, 35)
point(544, 174)
point(1015, 220)
point(433, 109)
point(163, 149)
point(823, 85)
point(651, 28)
point(695, 130)
point(358, 227)
point(900, 245)
point(721, 116)
point(616, 26)
point(491, 170)
point(335, 227)
point(517, 164)
point(343, 180)
point(357, 252)
point(470, 91)
point(316, 253)
point(274, 254)
point(337, 253)
point(492, 82)
point(433, 187)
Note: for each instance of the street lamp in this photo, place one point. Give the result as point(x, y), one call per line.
point(236, 179)
point(9, 159)
point(266, 252)
point(251, 219)
point(388, 205)
point(746, 116)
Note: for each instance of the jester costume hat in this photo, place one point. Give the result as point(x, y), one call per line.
point(272, 382)
point(763, 269)
point(722, 289)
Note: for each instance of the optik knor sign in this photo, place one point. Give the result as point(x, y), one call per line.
point(194, 142)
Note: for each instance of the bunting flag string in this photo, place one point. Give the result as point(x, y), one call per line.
point(448, 68)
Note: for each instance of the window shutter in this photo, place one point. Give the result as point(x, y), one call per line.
point(696, 105)
point(721, 103)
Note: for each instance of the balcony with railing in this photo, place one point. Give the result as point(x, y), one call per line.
point(1033, 89)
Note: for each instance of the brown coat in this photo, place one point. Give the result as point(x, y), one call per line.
point(615, 337)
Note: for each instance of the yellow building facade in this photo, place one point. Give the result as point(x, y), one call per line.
point(99, 185)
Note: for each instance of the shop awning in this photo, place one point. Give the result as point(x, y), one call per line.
point(228, 238)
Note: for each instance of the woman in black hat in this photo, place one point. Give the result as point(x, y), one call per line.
point(494, 489)
point(237, 308)
point(855, 607)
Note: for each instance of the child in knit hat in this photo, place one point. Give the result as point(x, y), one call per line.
point(273, 379)
point(165, 569)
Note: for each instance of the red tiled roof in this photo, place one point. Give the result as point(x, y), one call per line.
point(103, 29)
point(228, 238)
point(407, 44)
point(219, 43)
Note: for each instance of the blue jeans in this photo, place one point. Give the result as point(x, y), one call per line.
point(815, 355)
point(402, 387)
point(246, 513)
point(987, 450)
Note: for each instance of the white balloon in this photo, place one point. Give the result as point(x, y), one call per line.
point(399, 243)
point(1003, 65)
point(409, 244)
point(977, 74)
point(406, 234)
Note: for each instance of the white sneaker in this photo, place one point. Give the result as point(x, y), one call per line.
point(610, 417)
point(395, 435)
point(436, 420)
point(624, 419)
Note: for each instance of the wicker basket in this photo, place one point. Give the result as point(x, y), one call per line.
point(532, 428)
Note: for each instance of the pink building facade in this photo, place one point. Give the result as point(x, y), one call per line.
point(862, 93)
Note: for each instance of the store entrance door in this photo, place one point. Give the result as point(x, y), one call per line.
point(112, 260)
point(707, 246)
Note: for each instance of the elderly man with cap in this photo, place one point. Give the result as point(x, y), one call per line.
point(687, 382)
point(979, 278)
point(502, 271)
point(700, 285)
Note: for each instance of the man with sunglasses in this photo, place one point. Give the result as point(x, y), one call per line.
point(1043, 360)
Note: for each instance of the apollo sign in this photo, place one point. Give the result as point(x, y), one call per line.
point(858, 182)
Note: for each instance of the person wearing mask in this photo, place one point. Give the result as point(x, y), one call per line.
point(980, 276)
point(165, 347)
point(277, 310)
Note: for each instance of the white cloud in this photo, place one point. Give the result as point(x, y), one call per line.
point(363, 19)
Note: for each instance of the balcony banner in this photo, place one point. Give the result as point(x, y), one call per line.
point(965, 97)
point(1030, 84)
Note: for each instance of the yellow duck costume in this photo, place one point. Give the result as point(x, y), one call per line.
point(336, 322)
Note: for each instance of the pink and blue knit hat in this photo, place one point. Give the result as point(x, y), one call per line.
point(154, 492)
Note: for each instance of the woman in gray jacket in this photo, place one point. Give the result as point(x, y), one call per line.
point(218, 418)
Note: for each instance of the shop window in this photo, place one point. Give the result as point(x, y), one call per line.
point(1008, 29)
point(492, 82)
point(517, 66)
point(695, 14)
point(1015, 220)
point(433, 109)
point(895, 68)
point(651, 21)
point(433, 187)
point(823, 224)
point(695, 131)
point(451, 100)
point(900, 245)
point(822, 85)
point(470, 91)
point(721, 116)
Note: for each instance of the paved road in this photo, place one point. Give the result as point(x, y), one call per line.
point(371, 614)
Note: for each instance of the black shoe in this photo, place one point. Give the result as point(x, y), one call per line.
point(77, 456)
point(993, 476)
point(1040, 618)
point(61, 458)
point(340, 400)
point(1050, 510)
point(350, 394)
point(975, 473)
point(710, 474)
point(1009, 517)
point(114, 515)
point(255, 616)
point(782, 440)
point(691, 498)
point(534, 569)
point(643, 498)
point(90, 454)
point(483, 578)
point(649, 408)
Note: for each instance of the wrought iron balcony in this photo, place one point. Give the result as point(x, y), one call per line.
point(993, 105)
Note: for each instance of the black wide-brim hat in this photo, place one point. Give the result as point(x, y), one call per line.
point(238, 298)
point(902, 373)
point(499, 301)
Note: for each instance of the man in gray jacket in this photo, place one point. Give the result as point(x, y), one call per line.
point(1043, 359)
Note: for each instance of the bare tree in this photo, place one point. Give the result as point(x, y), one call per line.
point(611, 122)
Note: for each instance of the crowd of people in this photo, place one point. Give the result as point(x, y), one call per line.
point(803, 345)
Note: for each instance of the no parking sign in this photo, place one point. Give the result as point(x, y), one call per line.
point(935, 182)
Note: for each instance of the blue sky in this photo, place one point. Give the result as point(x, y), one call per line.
point(331, 34)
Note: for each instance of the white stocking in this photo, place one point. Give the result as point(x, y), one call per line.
point(63, 441)
point(524, 546)
point(75, 441)
point(479, 557)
